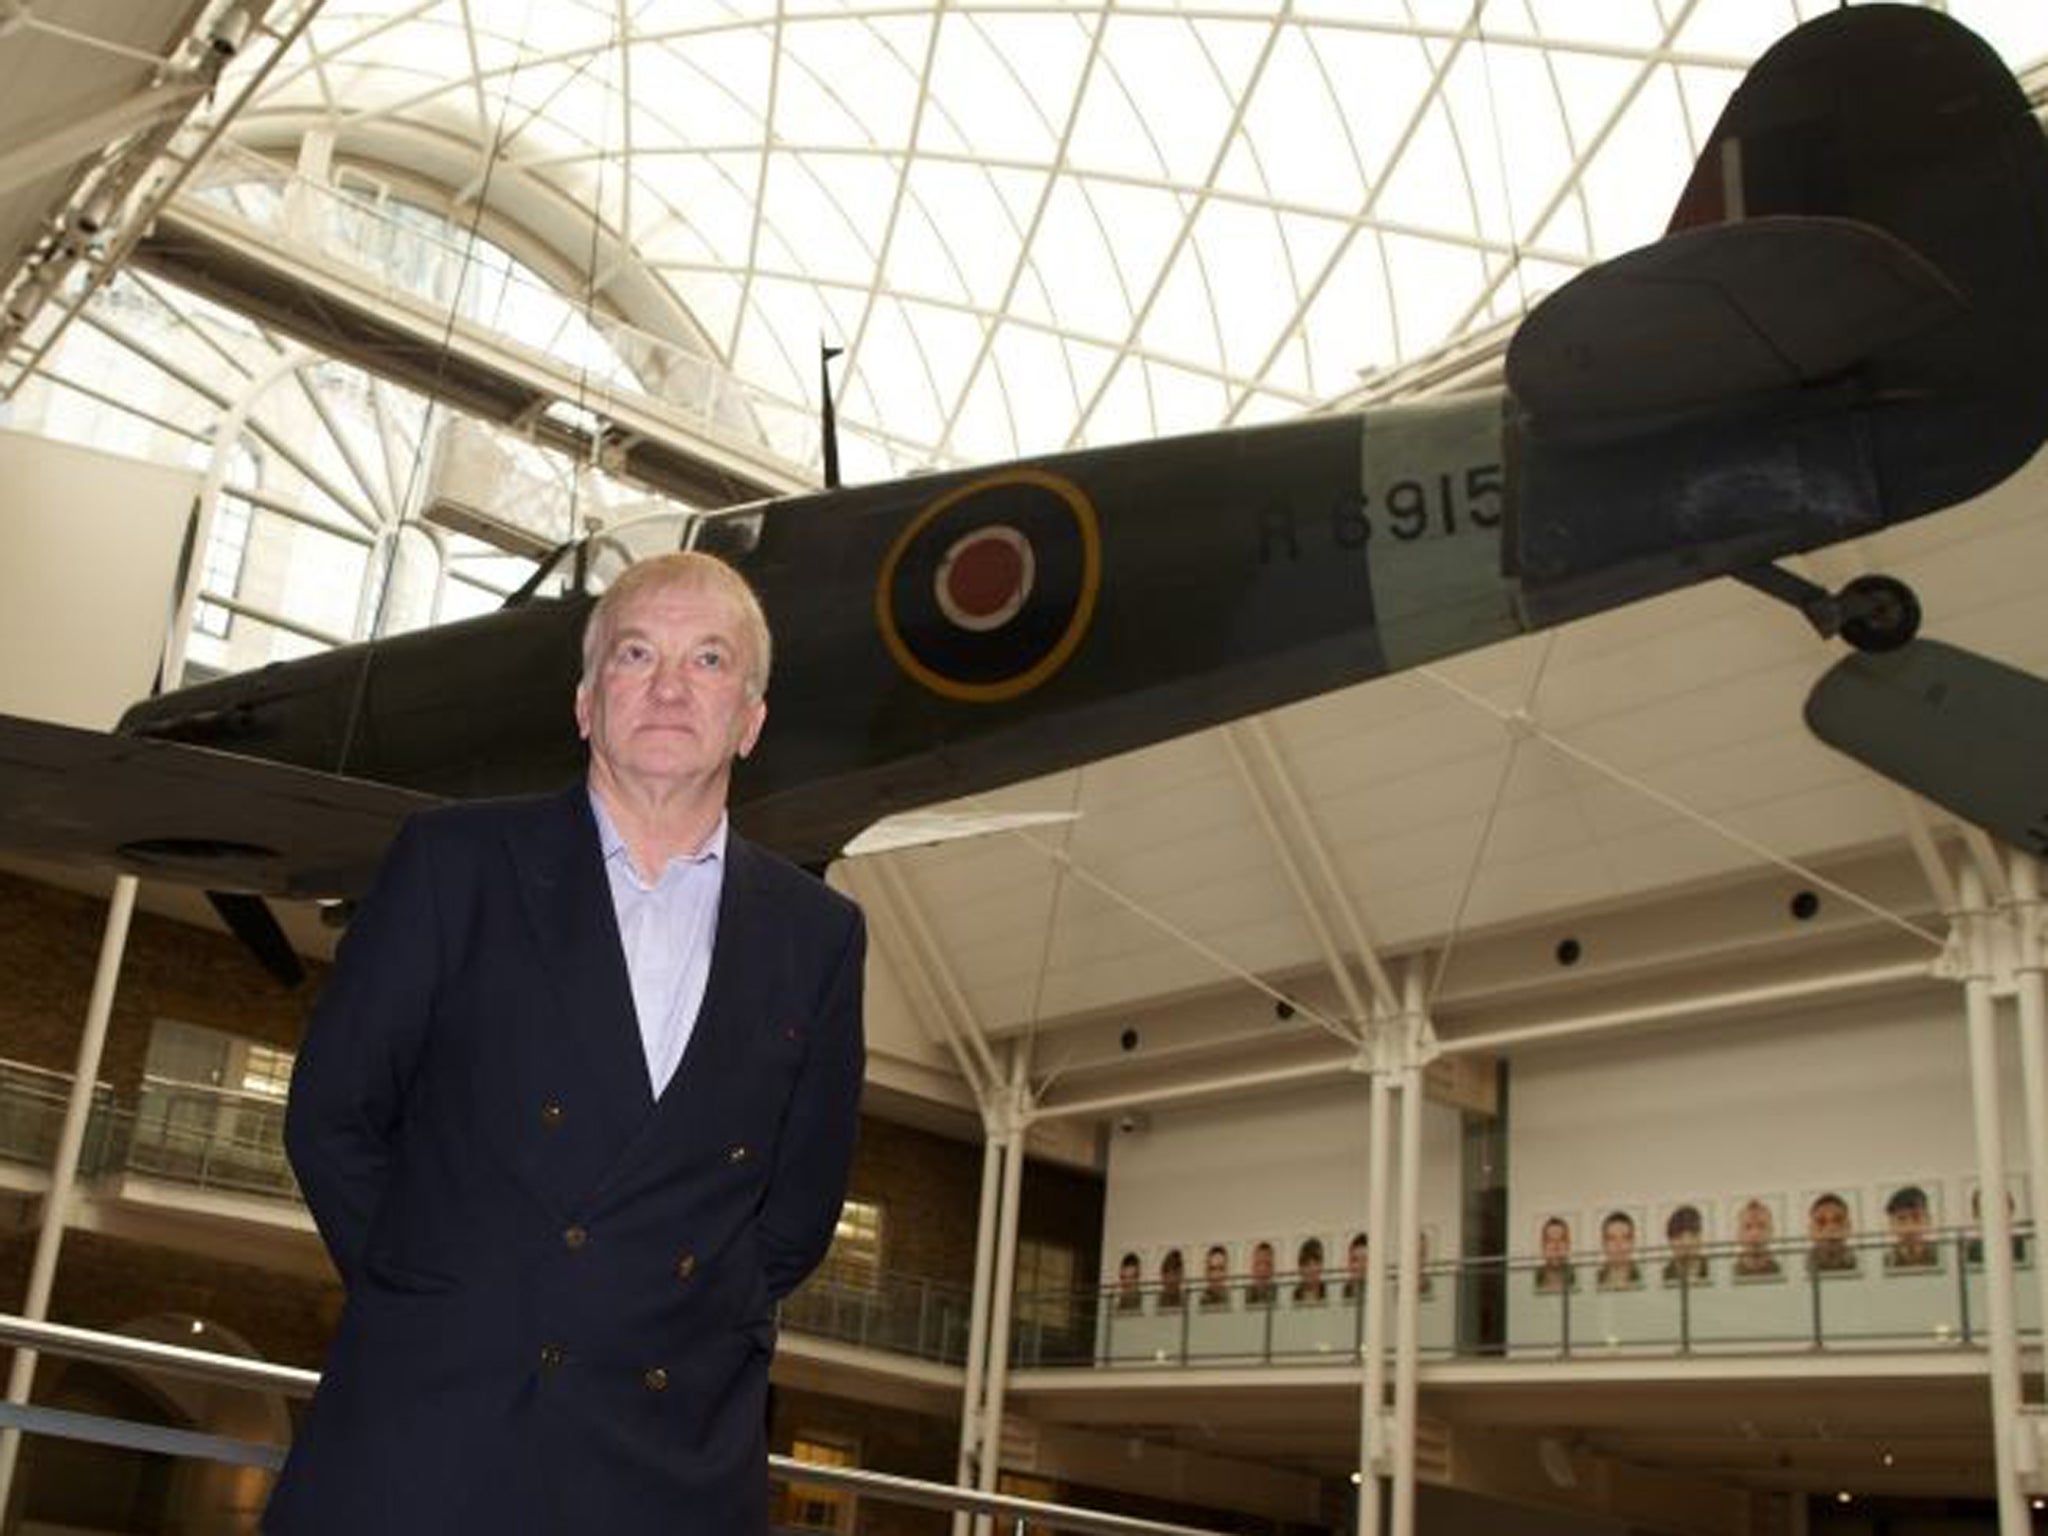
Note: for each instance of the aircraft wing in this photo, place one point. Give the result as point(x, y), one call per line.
point(169, 811)
point(1969, 733)
point(1717, 315)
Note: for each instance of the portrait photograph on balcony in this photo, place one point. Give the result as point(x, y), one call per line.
point(1832, 1225)
point(1687, 1227)
point(1357, 1253)
point(1913, 1215)
point(1129, 1288)
point(1309, 1288)
point(1173, 1266)
point(1759, 1220)
point(1555, 1233)
point(1621, 1228)
point(1217, 1271)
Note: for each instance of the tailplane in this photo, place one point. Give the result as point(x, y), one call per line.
point(1846, 325)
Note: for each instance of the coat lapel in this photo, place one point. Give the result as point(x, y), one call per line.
point(742, 976)
point(568, 902)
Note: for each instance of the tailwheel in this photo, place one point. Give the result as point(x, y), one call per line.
point(1878, 613)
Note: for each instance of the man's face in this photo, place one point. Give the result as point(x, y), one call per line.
point(1754, 1225)
point(1262, 1263)
point(1127, 1275)
point(1311, 1268)
point(1356, 1259)
point(1909, 1225)
point(1686, 1243)
point(1557, 1242)
point(1216, 1265)
point(1617, 1241)
point(1828, 1222)
point(670, 707)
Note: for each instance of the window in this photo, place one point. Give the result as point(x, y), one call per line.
point(1042, 1489)
point(814, 1506)
point(855, 1257)
point(1045, 1283)
point(267, 1070)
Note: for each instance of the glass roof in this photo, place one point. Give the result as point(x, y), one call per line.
point(1038, 225)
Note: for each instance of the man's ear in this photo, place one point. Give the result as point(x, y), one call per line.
point(752, 732)
point(583, 711)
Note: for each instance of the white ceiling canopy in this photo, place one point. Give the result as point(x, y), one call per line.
point(1039, 225)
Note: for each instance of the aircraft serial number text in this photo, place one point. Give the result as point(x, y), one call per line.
point(1407, 509)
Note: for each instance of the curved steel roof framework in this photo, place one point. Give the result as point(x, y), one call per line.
point(1042, 225)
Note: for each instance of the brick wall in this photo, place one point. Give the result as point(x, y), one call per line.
point(929, 1186)
point(109, 1283)
point(886, 1440)
point(49, 947)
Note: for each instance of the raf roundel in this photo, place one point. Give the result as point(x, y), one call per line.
point(990, 588)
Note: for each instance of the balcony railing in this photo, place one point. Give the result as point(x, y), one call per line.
point(218, 1139)
point(1848, 1294)
point(418, 262)
point(1871, 1292)
point(222, 1374)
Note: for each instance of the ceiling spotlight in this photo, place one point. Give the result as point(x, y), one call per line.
point(1887, 1458)
point(198, 1326)
point(1843, 1497)
point(2041, 1503)
point(1358, 1481)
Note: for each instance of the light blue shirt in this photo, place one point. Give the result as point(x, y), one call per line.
point(667, 929)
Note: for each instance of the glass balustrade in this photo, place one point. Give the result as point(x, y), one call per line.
point(1922, 1291)
point(209, 1137)
point(416, 258)
point(32, 1103)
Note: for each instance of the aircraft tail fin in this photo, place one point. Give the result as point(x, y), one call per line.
point(1846, 326)
point(1900, 119)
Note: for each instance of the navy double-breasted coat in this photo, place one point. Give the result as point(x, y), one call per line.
point(559, 1288)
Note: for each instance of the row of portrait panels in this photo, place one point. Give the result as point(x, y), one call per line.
point(1325, 1264)
point(1893, 1226)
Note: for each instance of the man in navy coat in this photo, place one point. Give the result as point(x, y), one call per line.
point(575, 1110)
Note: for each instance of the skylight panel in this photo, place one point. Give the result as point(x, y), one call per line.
point(1295, 146)
point(1006, 83)
point(1634, 181)
point(1433, 285)
point(958, 235)
point(696, 208)
point(1618, 23)
point(1740, 29)
point(829, 211)
point(706, 91)
point(853, 83)
point(1381, 82)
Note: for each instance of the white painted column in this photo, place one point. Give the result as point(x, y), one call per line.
point(85, 1074)
point(2030, 980)
point(995, 1148)
point(991, 1433)
point(1372, 1401)
point(1973, 924)
point(1408, 1321)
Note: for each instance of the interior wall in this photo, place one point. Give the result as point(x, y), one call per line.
point(1277, 1168)
point(92, 548)
point(1856, 1099)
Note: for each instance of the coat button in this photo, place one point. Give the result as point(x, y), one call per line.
point(551, 1356)
point(656, 1380)
point(686, 1266)
point(575, 1237)
point(551, 1116)
point(736, 1155)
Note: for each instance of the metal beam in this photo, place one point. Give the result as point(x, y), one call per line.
point(66, 142)
point(896, 932)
